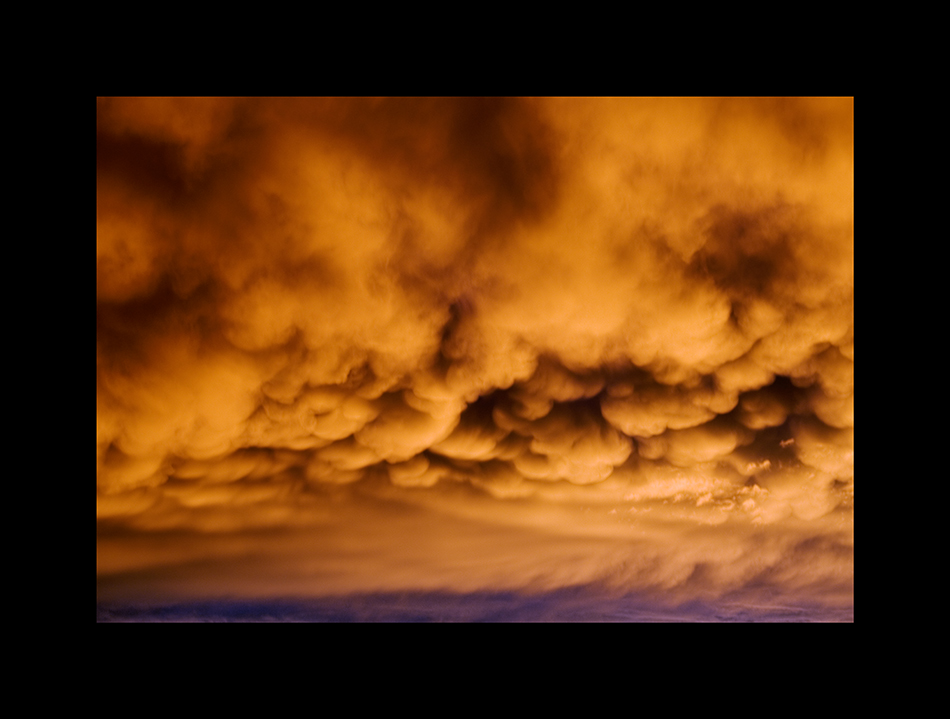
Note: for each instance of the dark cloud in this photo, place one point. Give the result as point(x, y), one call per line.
point(749, 253)
point(496, 153)
point(577, 318)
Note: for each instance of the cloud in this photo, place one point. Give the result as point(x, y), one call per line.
point(576, 318)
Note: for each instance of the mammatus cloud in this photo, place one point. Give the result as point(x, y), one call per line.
point(359, 345)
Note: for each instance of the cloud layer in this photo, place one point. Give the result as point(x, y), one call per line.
point(614, 335)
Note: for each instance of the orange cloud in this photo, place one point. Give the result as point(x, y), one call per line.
point(614, 332)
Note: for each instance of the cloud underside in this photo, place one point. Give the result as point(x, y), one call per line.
point(616, 336)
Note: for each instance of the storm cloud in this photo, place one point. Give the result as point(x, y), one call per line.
point(475, 344)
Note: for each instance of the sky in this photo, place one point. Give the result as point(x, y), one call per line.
point(477, 347)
